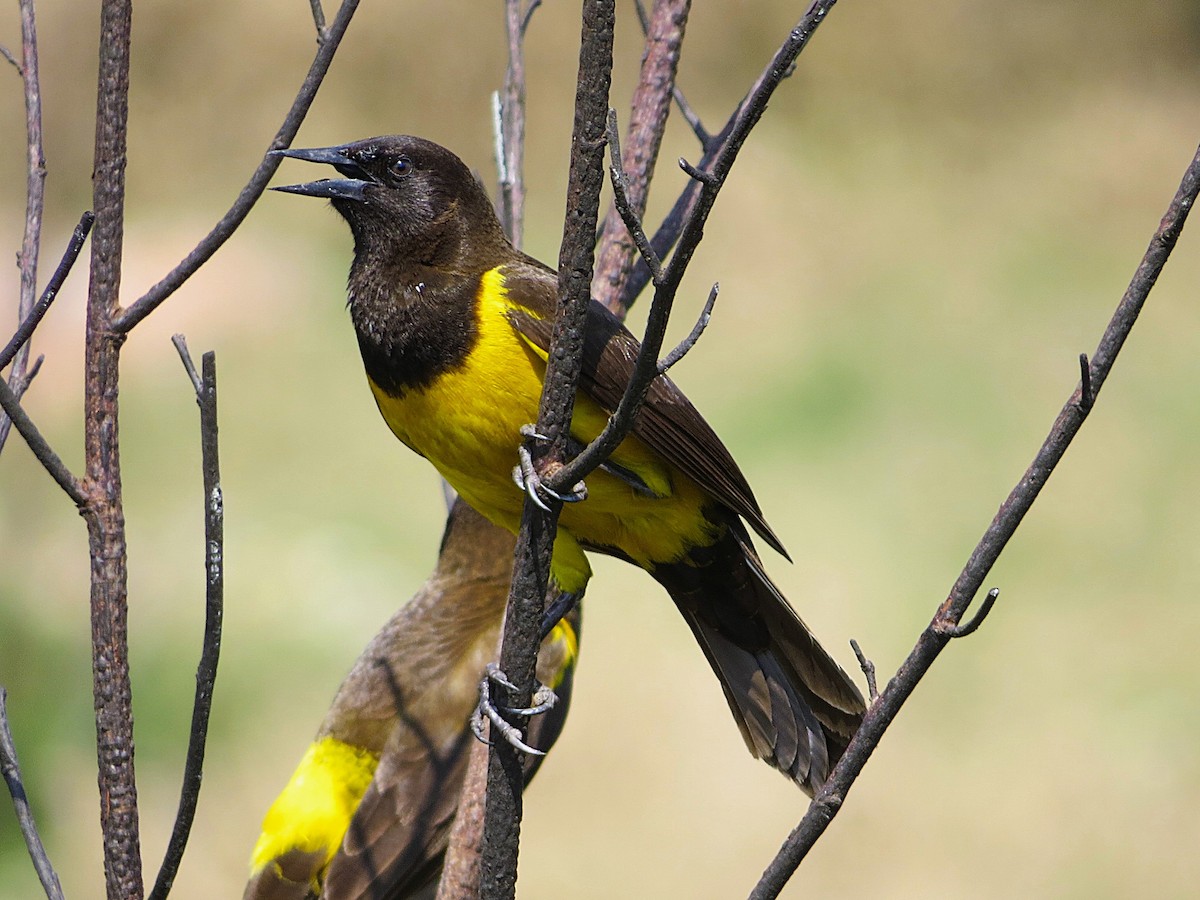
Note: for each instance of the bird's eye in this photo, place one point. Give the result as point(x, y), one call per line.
point(401, 167)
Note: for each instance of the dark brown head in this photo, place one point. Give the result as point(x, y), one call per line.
point(409, 202)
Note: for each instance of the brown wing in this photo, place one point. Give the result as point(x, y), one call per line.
point(667, 423)
point(419, 678)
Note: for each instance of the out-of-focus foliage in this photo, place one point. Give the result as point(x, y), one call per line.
point(936, 216)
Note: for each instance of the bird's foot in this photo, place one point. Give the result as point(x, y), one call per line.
point(543, 700)
point(527, 477)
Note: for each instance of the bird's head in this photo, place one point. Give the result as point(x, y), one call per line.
point(406, 199)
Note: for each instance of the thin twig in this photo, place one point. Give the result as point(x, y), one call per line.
point(685, 346)
point(40, 448)
point(868, 670)
point(648, 113)
point(624, 205)
point(11, 770)
point(318, 14)
point(193, 375)
point(536, 536)
point(510, 126)
point(529, 11)
point(709, 182)
point(249, 195)
point(962, 629)
point(721, 150)
point(205, 386)
point(1086, 397)
point(940, 630)
point(35, 193)
point(35, 315)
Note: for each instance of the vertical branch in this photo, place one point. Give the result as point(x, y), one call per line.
point(35, 191)
point(205, 385)
point(536, 537)
point(104, 514)
point(462, 867)
point(647, 121)
point(510, 129)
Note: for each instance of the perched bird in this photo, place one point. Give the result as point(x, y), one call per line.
point(454, 326)
point(367, 813)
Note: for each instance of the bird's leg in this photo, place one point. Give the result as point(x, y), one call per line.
point(527, 477)
point(543, 699)
point(558, 609)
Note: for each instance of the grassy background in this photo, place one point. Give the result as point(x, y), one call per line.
point(938, 213)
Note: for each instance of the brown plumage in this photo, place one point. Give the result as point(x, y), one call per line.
point(408, 700)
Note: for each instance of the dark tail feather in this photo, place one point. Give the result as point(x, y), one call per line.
point(797, 709)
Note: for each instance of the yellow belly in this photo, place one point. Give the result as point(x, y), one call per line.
point(466, 423)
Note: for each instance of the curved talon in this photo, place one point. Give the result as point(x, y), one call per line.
point(531, 432)
point(511, 733)
point(528, 480)
point(543, 700)
point(526, 477)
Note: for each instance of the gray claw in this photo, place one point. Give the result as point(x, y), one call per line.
point(486, 708)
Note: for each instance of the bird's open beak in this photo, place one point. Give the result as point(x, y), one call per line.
point(349, 188)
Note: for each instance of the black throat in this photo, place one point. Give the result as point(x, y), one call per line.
point(413, 326)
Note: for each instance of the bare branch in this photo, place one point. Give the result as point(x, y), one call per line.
point(31, 321)
point(685, 108)
point(536, 536)
point(1086, 397)
point(510, 133)
point(205, 386)
point(193, 375)
point(868, 670)
point(11, 770)
point(944, 626)
point(691, 340)
point(249, 195)
point(962, 629)
point(650, 107)
point(319, 21)
point(35, 186)
point(35, 193)
point(624, 205)
point(41, 449)
point(722, 150)
point(530, 10)
point(707, 184)
point(104, 512)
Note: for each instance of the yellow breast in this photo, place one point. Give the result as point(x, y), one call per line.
point(467, 424)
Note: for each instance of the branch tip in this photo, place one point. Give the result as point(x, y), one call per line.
point(185, 357)
point(705, 178)
point(529, 11)
point(1086, 396)
point(964, 629)
point(868, 669)
point(629, 215)
point(685, 346)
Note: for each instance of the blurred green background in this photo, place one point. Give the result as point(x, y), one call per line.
point(936, 216)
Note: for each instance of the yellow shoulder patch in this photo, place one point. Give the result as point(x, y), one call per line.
point(314, 810)
point(564, 634)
